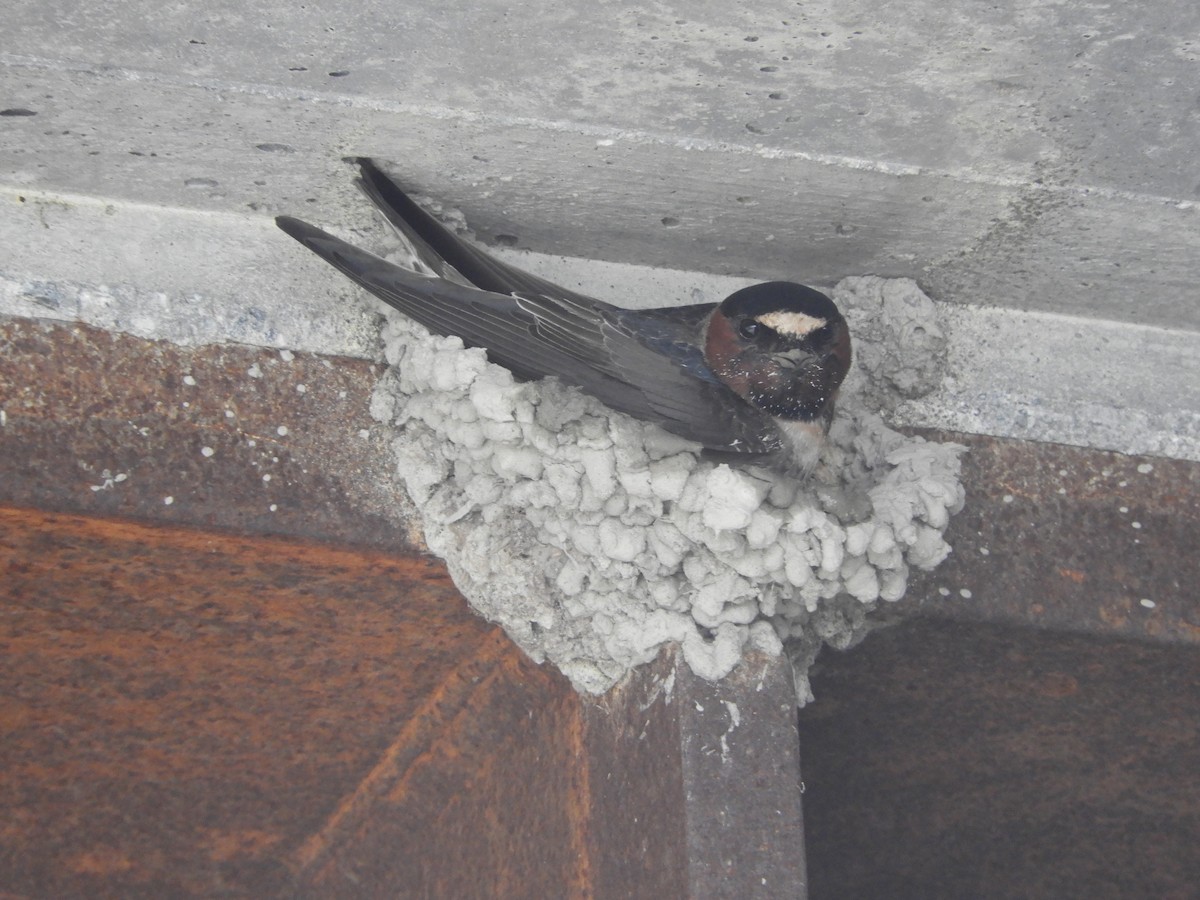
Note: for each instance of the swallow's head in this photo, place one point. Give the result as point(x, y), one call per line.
point(783, 347)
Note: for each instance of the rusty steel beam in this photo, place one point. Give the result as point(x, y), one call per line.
point(1067, 539)
point(635, 790)
point(209, 701)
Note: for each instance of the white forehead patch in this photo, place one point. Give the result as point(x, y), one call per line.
point(793, 324)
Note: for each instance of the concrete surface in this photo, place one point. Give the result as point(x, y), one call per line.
point(1034, 159)
point(197, 277)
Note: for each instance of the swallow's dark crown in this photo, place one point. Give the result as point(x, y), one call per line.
point(780, 296)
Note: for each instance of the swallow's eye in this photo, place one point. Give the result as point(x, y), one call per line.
point(821, 335)
point(749, 328)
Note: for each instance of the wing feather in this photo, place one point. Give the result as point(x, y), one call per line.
point(644, 363)
point(439, 247)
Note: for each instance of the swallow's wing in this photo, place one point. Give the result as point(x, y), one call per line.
point(645, 364)
point(442, 250)
point(659, 351)
point(505, 325)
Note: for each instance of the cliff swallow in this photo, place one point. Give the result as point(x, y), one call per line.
point(753, 378)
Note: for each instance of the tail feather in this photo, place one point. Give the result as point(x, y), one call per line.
point(439, 247)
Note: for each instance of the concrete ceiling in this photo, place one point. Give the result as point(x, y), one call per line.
point(1039, 157)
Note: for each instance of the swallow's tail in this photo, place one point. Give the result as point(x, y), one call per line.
point(496, 322)
point(439, 247)
point(436, 303)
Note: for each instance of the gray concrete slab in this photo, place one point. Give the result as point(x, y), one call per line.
point(198, 277)
point(1035, 160)
point(1035, 157)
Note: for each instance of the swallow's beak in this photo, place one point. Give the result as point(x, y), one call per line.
point(795, 358)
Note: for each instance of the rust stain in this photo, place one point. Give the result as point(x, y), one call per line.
point(1055, 787)
point(1057, 684)
point(165, 690)
point(388, 777)
point(103, 861)
point(224, 846)
point(500, 767)
point(579, 811)
point(82, 401)
point(1065, 556)
point(171, 689)
point(1115, 617)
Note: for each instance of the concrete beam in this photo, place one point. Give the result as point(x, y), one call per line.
point(1035, 158)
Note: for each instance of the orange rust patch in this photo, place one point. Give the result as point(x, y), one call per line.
point(1058, 684)
point(101, 861)
point(226, 845)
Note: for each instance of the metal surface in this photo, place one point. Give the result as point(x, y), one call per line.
point(197, 708)
point(955, 759)
point(1034, 730)
point(215, 711)
point(696, 784)
point(252, 440)
point(639, 833)
point(1068, 539)
point(741, 763)
point(191, 713)
point(188, 713)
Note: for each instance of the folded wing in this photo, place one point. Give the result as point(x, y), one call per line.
point(643, 363)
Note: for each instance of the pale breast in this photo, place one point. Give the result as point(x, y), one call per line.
point(804, 440)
